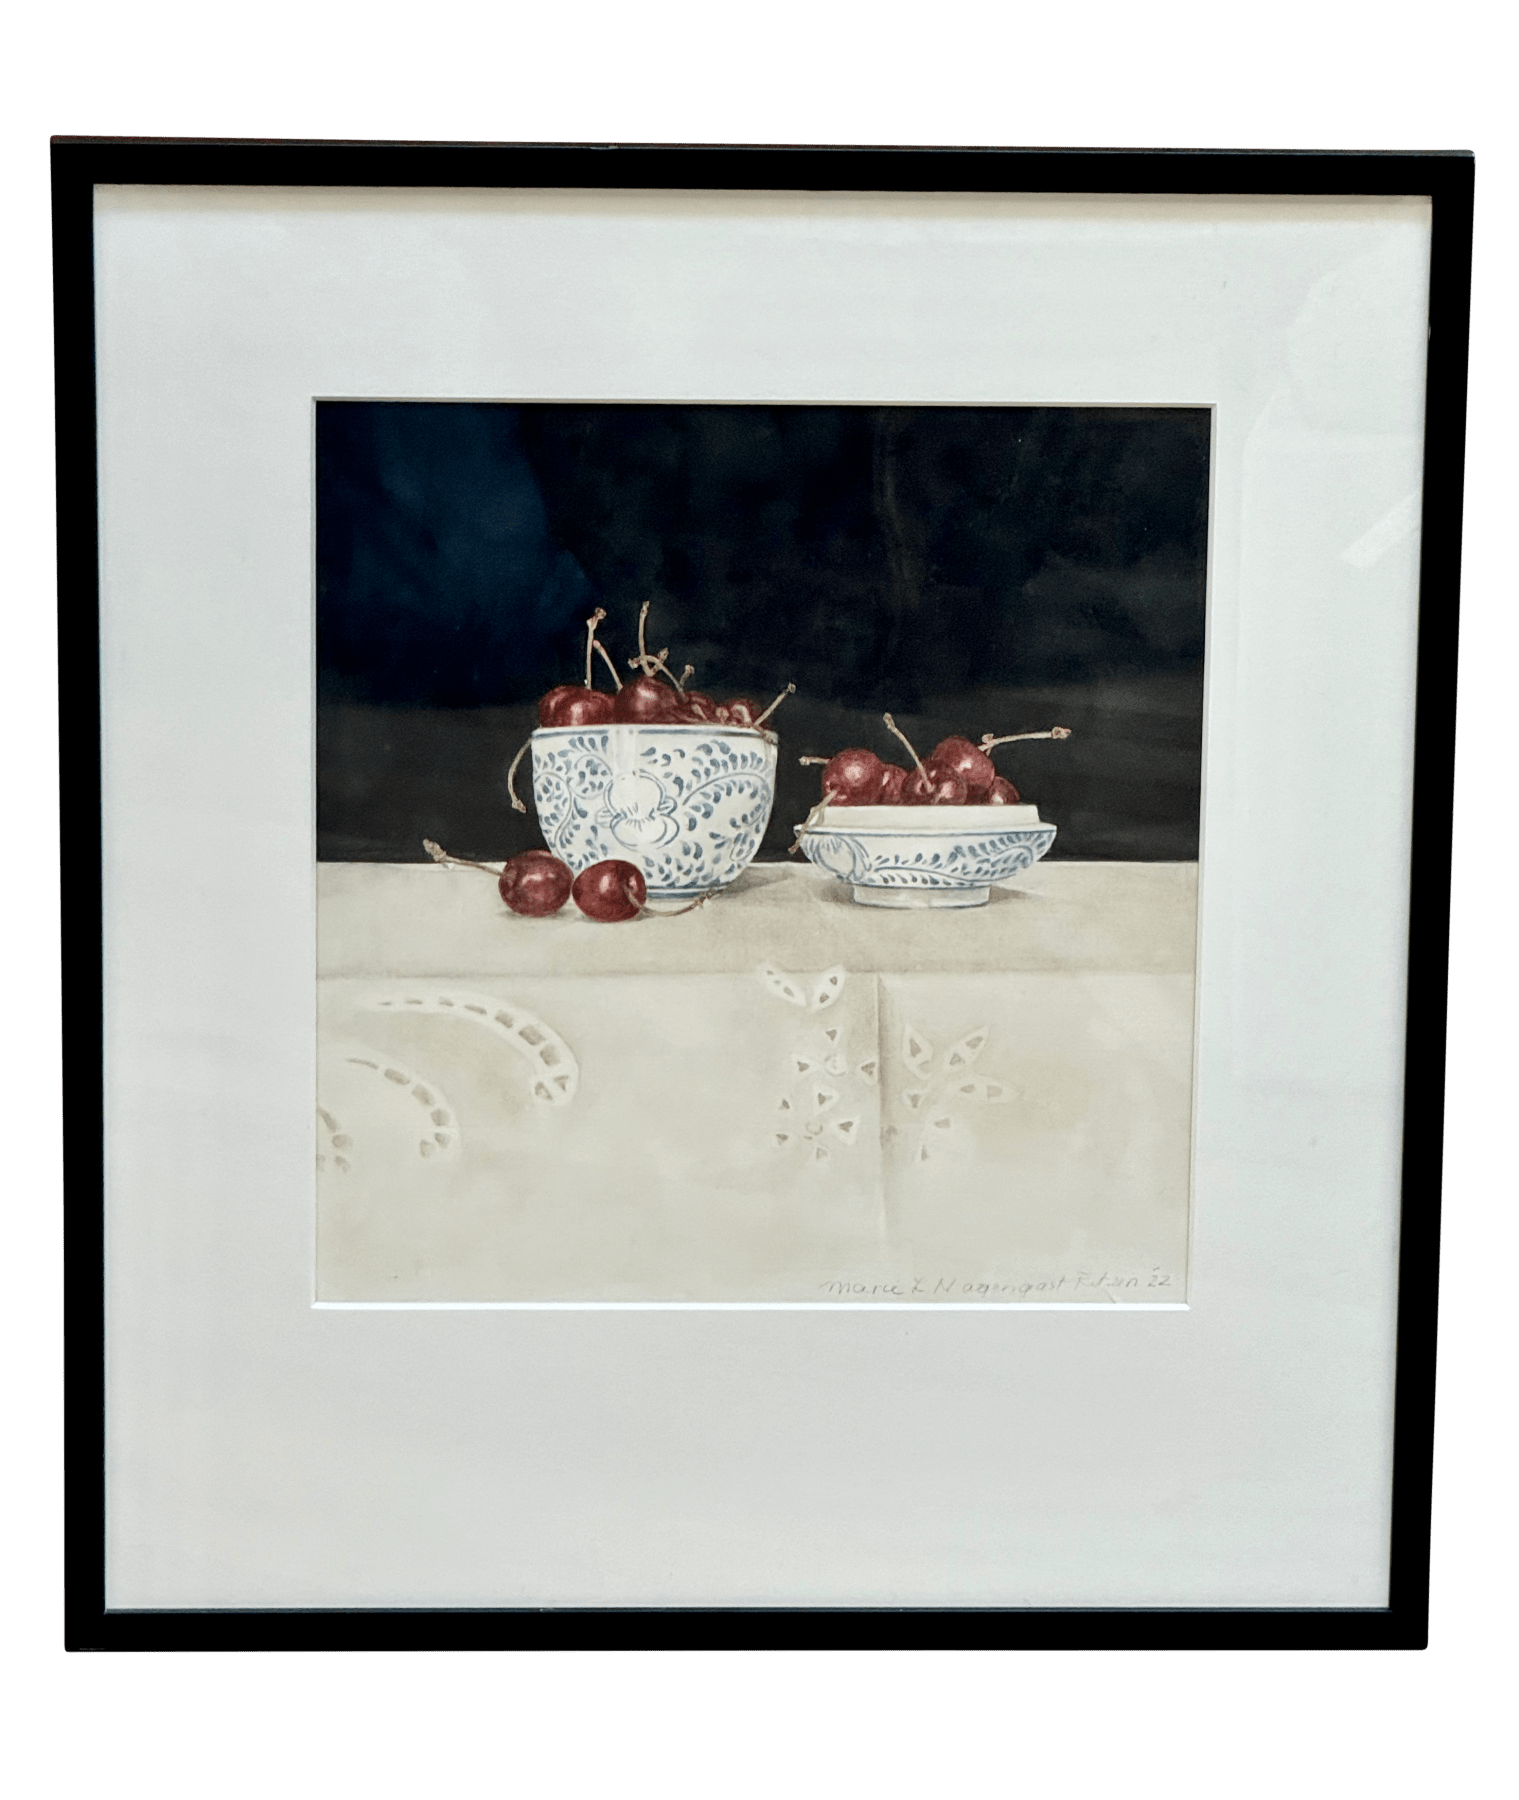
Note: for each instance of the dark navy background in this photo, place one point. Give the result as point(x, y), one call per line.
point(968, 568)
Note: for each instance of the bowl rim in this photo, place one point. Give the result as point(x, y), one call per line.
point(926, 821)
point(712, 730)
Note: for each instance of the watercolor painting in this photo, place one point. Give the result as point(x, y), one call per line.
point(757, 852)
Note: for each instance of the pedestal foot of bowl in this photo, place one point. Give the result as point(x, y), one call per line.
point(921, 897)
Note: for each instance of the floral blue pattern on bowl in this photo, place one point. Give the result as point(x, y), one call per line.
point(906, 856)
point(686, 804)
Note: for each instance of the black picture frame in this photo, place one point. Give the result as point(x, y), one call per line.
point(79, 164)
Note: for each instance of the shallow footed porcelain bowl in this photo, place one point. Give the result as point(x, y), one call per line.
point(912, 856)
point(687, 804)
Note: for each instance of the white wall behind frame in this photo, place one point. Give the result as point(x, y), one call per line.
point(263, 1454)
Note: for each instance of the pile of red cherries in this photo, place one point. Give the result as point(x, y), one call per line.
point(959, 773)
point(645, 700)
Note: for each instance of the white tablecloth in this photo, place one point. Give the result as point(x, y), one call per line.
point(781, 1097)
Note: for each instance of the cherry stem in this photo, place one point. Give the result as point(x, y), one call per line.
point(441, 856)
point(1022, 737)
point(811, 819)
point(891, 726)
point(590, 638)
point(820, 762)
point(602, 653)
point(511, 776)
point(649, 664)
point(656, 665)
point(700, 900)
point(685, 675)
point(790, 688)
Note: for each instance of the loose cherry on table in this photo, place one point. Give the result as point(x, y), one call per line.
point(536, 884)
point(610, 891)
point(613, 890)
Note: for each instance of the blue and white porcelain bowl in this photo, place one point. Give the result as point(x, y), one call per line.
point(911, 856)
point(686, 804)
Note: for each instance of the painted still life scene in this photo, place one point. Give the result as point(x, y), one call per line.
point(757, 852)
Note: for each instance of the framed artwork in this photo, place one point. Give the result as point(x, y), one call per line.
point(774, 844)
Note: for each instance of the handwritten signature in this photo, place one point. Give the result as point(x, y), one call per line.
point(1083, 1284)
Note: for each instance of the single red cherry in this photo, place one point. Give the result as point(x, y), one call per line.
point(564, 706)
point(930, 783)
point(574, 705)
point(852, 778)
point(549, 705)
point(974, 767)
point(1002, 793)
point(697, 709)
point(893, 776)
point(933, 785)
point(535, 884)
point(610, 891)
point(749, 715)
point(645, 701)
